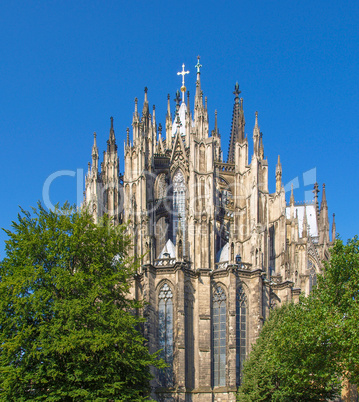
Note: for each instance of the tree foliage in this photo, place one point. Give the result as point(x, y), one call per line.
point(338, 291)
point(305, 350)
point(293, 359)
point(67, 325)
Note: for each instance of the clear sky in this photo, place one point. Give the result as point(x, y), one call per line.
point(67, 66)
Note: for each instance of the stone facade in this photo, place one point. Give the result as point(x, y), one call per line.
point(217, 251)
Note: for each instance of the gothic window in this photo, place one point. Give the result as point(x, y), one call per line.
point(312, 276)
point(241, 332)
point(161, 186)
point(165, 324)
point(189, 336)
point(219, 334)
point(179, 205)
point(161, 229)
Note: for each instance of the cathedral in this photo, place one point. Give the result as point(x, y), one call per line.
point(216, 249)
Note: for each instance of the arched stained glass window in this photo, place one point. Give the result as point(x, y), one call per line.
point(179, 206)
point(241, 332)
point(219, 335)
point(165, 324)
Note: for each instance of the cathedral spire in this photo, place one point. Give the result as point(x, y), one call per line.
point(291, 203)
point(198, 97)
point(168, 124)
point(95, 153)
point(127, 136)
point(215, 123)
point(237, 130)
point(334, 229)
point(111, 143)
point(256, 136)
point(316, 203)
point(305, 223)
point(323, 219)
point(145, 109)
point(278, 176)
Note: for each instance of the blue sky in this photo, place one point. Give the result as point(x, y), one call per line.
point(66, 67)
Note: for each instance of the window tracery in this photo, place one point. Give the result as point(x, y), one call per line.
point(219, 335)
point(165, 312)
point(179, 206)
point(241, 331)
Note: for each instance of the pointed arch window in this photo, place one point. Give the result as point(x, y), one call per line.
point(312, 276)
point(219, 336)
point(179, 206)
point(241, 332)
point(165, 324)
point(189, 336)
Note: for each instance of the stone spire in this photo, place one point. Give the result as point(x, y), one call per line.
point(305, 223)
point(291, 202)
point(135, 121)
point(94, 154)
point(145, 109)
point(198, 96)
point(323, 219)
point(111, 143)
point(168, 124)
point(278, 176)
point(334, 229)
point(316, 203)
point(238, 123)
point(215, 123)
point(256, 136)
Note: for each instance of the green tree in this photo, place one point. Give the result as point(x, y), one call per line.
point(293, 359)
point(338, 292)
point(67, 325)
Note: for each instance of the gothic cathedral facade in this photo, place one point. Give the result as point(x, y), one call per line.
point(217, 250)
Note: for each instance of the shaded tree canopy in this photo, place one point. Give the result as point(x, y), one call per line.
point(305, 350)
point(68, 327)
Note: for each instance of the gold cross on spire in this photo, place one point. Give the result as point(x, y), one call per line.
point(183, 88)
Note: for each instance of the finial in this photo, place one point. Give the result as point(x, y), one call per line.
point(278, 163)
point(256, 121)
point(146, 90)
point(198, 65)
point(128, 136)
point(236, 91)
point(183, 87)
point(178, 97)
point(154, 113)
point(188, 101)
point(111, 118)
point(160, 129)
